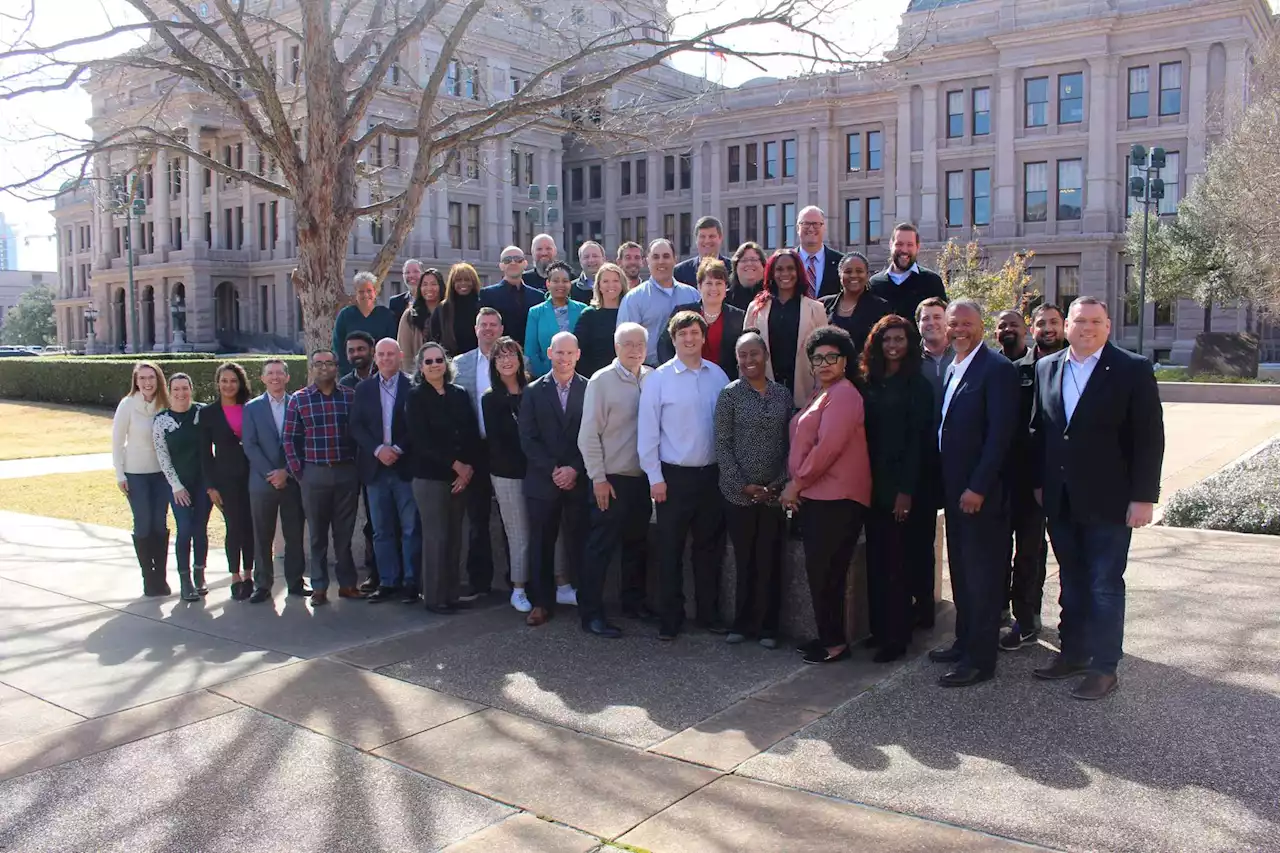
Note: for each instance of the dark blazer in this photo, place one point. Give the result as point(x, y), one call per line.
point(442, 429)
point(1111, 452)
point(223, 464)
point(728, 358)
point(366, 427)
point(687, 270)
point(502, 428)
point(830, 272)
point(505, 299)
point(978, 429)
point(263, 445)
point(900, 429)
point(904, 298)
point(583, 289)
point(549, 434)
point(1020, 458)
point(399, 304)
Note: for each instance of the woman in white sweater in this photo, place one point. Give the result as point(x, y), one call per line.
point(138, 474)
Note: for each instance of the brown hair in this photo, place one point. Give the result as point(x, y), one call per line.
point(931, 302)
point(685, 319)
point(713, 268)
point(162, 390)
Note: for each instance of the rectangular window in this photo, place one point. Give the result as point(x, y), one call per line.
point(295, 63)
point(515, 168)
point(735, 164)
point(264, 306)
point(577, 237)
point(513, 87)
point(1037, 101)
point(239, 155)
point(470, 88)
point(515, 227)
point(642, 177)
point(788, 159)
point(686, 171)
point(1035, 189)
point(596, 229)
point(394, 144)
point(955, 199)
point(624, 229)
point(955, 114)
point(473, 227)
point(208, 230)
point(981, 197)
point(1070, 98)
point(1170, 88)
point(275, 222)
point(1139, 92)
point(1169, 174)
point(455, 224)
point(175, 234)
point(375, 152)
point(575, 184)
point(228, 223)
point(668, 173)
point(753, 161)
point(770, 160)
point(624, 181)
point(473, 163)
point(770, 223)
point(1162, 313)
point(734, 227)
point(451, 78)
point(642, 230)
point(1036, 286)
point(239, 227)
point(669, 227)
point(1067, 287)
point(1070, 189)
point(595, 181)
point(262, 226)
point(753, 224)
point(686, 233)
point(874, 220)
point(376, 231)
point(874, 161)
point(528, 168)
point(981, 112)
point(853, 222)
point(853, 152)
point(789, 224)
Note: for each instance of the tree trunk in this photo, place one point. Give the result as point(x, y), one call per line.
point(1208, 315)
point(318, 280)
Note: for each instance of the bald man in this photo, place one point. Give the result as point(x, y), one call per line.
point(820, 261)
point(544, 253)
point(512, 297)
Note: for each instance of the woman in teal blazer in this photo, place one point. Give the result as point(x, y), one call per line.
point(557, 314)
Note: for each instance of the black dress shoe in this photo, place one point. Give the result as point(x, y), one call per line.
point(410, 597)
point(821, 655)
point(964, 676)
point(299, 589)
point(383, 593)
point(601, 628)
point(445, 609)
point(370, 584)
point(667, 633)
point(260, 595)
point(807, 647)
point(714, 626)
point(947, 654)
point(888, 654)
point(1060, 668)
point(241, 590)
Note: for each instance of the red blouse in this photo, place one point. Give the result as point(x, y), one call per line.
point(715, 333)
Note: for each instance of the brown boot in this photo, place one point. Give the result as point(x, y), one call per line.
point(537, 616)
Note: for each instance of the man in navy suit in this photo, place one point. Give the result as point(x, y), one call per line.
point(708, 236)
point(1098, 445)
point(975, 431)
point(379, 429)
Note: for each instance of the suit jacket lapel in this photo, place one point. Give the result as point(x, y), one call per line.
point(1098, 381)
point(553, 397)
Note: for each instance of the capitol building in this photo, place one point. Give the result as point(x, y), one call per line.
point(1010, 119)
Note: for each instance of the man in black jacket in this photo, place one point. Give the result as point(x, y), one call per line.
point(401, 302)
point(544, 252)
point(708, 236)
point(1098, 432)
point(821, 262)
point(905, 284)
point(590, 259)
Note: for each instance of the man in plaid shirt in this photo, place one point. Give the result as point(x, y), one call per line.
point(320, 454)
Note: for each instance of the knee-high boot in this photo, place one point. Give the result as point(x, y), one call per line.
point(142, 549)
point(160, 561)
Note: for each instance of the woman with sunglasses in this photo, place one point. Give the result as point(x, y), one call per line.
point(830, 474)
point(453, 323)
point(443, 448)
point(225, 471)
point(416, 322)
point(786, 317)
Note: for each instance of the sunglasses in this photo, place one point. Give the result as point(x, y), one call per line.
point(829, 358)
point(437, 360)
point(512, 259)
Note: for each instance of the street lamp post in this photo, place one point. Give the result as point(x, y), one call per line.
point(90, 319)
point(125, 199)
point(1146, 188)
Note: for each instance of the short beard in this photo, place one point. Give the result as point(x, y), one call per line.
point(1050, 346)
point(541, 266)
point(1010, 342)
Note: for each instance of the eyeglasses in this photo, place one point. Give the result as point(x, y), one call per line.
point(324, 363)
point(810, 226)
point(828, 358)
point(512, 259)
point(500, 356)
point(439, 360)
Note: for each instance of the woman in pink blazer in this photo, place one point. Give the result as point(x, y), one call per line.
point(786, 318)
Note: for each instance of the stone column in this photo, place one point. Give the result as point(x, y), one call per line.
point(655, 191)
point(929, 180)
point(890, 154)
point(442, 219)
point(1197, 98)
point(610, 178)
point(696, 183)
point(716, 180)
point(489, 245)
point(803, 172)
point(1236, 81)
point(102, 213)
point(1005, 215)
point(826, 177)
point(902, 157)
point(557, 231)
point(160, 185)
point(1098, 183)
point(215, 211)
point(193, 192)
point(505, 192)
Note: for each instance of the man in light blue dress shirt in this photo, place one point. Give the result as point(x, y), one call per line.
point(676, 440)
point(651, 303)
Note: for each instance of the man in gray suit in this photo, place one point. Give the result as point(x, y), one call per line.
point(471, 372)
point(271, 490)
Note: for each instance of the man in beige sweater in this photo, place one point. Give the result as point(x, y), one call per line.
point(621, 507)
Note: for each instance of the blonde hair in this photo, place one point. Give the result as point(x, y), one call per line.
point(597, 298)
point(162, 388)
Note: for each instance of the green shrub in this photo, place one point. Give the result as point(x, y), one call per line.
point(1244, 498)
point(98, 381)
point(1181, 374)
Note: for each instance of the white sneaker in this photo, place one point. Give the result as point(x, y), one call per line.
point(520, 601)
point(566, 594)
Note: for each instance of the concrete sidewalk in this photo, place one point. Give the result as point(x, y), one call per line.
point(16, 469)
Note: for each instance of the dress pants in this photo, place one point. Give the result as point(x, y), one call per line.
point(1091, 561)
point(693, 506)
point(1028, 564)
point(238, 514)
point(977, 547)
point(757, 532)
point(889, 599)
point(624, 525)
point(390, 499)
point(479, 496)
point(563, 513)
point(265, 504)
point(919, 537)
point(830, 530)
point(515, 526)
point(330, 495)
point(441, 514)
point(370, 551)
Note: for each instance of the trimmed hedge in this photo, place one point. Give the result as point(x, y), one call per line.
point(102, 382)
point(1244, 498)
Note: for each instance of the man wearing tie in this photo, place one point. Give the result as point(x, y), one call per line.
point(1098, 441)
point(979, 406)
point(821, 262)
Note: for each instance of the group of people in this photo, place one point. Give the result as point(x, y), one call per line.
point(738, 398)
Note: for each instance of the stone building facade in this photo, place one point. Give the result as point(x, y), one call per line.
point(1011, 119)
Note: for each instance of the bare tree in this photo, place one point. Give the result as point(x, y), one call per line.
point(355, 53)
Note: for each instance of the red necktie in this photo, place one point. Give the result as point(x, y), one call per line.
point(812, 267)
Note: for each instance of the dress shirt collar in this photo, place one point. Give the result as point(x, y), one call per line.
point(900, 277)
point(389, 384)
point(654, 282)
point(562, 386)
point(627, 375)
point(681, 367)
point(1088, 361)
point(819, 256)
point(278, 401)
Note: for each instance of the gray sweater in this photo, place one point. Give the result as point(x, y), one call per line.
point(609, 418)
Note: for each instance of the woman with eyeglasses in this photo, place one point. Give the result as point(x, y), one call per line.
point(724, 321)
point(225, 471)
point(453, 323)
point(415, 324)
point(899, 413)
point(443, 448)
point(830, 474)
point(746, 278)
point(557, 314)
point(500, 407)
point(786, 317)
point(855, 308)
point(138, 475)
point(178, 444)
point(597, 322)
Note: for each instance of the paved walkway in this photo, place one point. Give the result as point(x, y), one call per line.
point(14, 469)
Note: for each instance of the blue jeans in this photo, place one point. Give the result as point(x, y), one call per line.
point(149, 496)
point(389, 498)
point(193, 527)
point(1091, 563)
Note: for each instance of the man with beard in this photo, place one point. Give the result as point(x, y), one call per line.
point(412, 277)
point(1026, 516)
point(631, 259)
point(905, 284)
point(544, 252)
point(590, 259)
point(360, 357)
